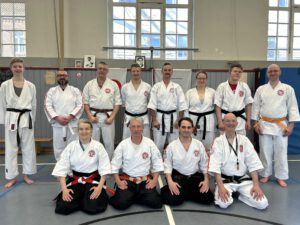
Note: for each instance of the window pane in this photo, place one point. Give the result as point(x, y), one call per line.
point(171, 41)
point(271, 55)
point(155, 26)
point(182, 41)
point(296, 42)
point(155, 40)
point(297, 17)
point(296, 29)
point(7, 50)
point(145, 14)
point(7, 9)
point(296, 54)
point(150, 40)
point(182, 55)
point(20, 50)
point(182, 14)
point(145, 26)
point(7, 23)
point(170, 54)
point(272, 43)
point(273, 16)
point(273, 3)
point(283, 17)
point(118, 39)
point(118, 54)
point(183, 2)
point(272, 30)
point(297, 2)
point(128, 1)
point(130, 54)
point(282, 43)
point(20, 37)
point(130, 26)
point(283, 3)
point(7, 37)
point(282, 55)
point(170, 27)
point(130, 13)
point(118, 26)
point(130, 40)
point(145, 40)
point(118, 12)
point(170, 14)
point(171, 1)
point(282, 29)
point(19, 9)
point(182, 27)
point(155, 14)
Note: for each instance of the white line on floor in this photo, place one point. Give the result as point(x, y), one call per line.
point(168, 209)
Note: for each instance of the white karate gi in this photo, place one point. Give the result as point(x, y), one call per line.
point(27, 100)
point(137, 160)
point(185, 162)
point(166, 99)
point(274, 103)
point(103, 98)
point(197, 106)
point(59, 102)
point(135, 102)
point(231, 101)
point(73, 158)
point(224, 161)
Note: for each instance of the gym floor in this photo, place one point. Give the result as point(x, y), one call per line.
point(34, 205)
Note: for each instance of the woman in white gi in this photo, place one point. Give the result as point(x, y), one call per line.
point(89, 163)
point(17, 113)
point(185, 166)
point(200, 101)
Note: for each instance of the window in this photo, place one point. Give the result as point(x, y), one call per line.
point(160, 24)
point(284, 30)
point(13, 29)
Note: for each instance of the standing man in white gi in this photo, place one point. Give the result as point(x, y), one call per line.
point(101, 103)
point(63, 107)
point(141, 162)
point(185, 166)
point(166, 99)
point(234, 96)
point(135, 95)
point(275, 109)
point(232, 157)
point(17, 113)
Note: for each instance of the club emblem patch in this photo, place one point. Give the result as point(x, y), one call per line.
point(145, 155)
point(280, 92)
point(107, 90)
point(146, 93)
point(92, 153)
point(241, 148)
point(241, 93)
point(196, 152)
point(172, 90)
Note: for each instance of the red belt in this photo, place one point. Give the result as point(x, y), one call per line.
point(136, 180)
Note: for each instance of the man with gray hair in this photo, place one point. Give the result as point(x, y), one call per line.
point(141, 162)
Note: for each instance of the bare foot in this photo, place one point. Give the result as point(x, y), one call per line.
point(28, 180)
point(264, 180)
point(282, 183)
point(10, 183)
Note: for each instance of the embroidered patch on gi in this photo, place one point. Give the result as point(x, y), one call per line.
point(146, 93)
point(92, 153)
point(196, 152)
point(241, 93)
point(145, 155)
point(241, 148)
point(280, 92)
point(107, 90)
point(172, 90)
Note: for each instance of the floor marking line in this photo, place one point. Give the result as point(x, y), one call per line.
point(167, 208)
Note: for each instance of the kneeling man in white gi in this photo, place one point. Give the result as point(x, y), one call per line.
point(136, 156)
point(232, 155)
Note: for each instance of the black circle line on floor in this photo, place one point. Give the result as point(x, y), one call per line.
point(180, 210)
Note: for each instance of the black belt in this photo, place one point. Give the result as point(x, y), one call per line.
point(163, 119)
point(179, 176)
point(105, 111)
point(236, 113)
point(135, 114)
point(234, 179)
point(198, 119)
point(21, 112)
